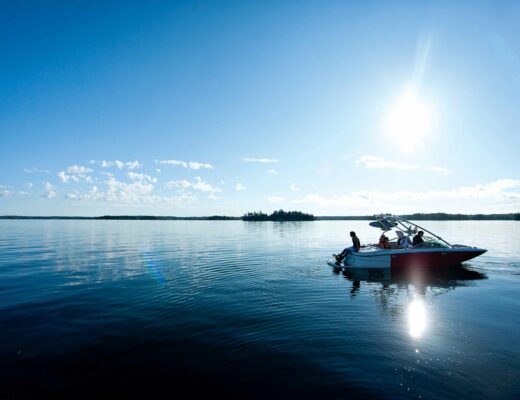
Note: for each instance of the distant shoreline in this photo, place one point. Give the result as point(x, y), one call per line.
point(416, 217)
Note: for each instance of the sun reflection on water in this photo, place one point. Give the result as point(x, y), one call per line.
point(416, 318)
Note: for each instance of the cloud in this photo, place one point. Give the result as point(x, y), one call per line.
point(139, 192)
point(127, 192)
point(183, 184)
point(294, 188)
point(29, 185)
point(50, 191)
point(78, 170)
point(272, 171)
point(75, 173)
point(499, 190)
point(189, 164)
point(63, 176)
point(6, 193)
point(36, 171)
point(117, 191)
point(198, 184)
point(197, 165)
point(133, 164)
point(118, 164)
point(439, 170)
point(212, 196)
point(92, 194)
point(374, 162)
point(239, 187)
point(141, 177)
point(275, 199)
point(260, 160)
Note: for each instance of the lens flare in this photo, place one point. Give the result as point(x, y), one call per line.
point(152, 266)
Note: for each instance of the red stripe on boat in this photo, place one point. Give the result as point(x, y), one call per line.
point(432, 259)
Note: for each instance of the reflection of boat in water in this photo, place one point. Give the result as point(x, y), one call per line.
point(434, 252)
point(455, 276)
point(388, 285)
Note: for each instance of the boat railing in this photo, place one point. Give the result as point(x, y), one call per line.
point(406, 226)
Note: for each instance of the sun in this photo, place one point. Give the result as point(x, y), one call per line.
point(409, 120)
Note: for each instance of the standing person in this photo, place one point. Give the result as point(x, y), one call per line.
point(417, 239)
point(356, 245)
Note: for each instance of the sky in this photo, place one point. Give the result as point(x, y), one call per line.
point(219, 108)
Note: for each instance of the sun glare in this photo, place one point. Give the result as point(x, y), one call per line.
point(409, 120)
point(416, 318)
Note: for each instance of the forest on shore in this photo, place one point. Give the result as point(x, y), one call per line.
point(279, 216)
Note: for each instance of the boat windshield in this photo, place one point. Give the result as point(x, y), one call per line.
point(433, 242)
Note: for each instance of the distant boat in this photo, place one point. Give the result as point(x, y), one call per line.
point(434, 252)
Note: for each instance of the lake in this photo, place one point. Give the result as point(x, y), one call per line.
point(162, 309)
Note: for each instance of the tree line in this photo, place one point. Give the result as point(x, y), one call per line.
point(279, 215)
point(432, 217)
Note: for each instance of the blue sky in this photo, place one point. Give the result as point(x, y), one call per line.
point(202, 108)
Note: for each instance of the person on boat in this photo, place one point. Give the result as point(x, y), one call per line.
point(418, 239)
point(403, 241)
point(356, 245)
point(384, 242)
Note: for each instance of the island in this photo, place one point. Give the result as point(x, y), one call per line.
point(278, 216)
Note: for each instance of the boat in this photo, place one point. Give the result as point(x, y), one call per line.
point(434, 252)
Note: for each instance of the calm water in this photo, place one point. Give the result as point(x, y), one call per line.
point(160, 308)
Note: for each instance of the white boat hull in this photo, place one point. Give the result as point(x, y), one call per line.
point(408, 258)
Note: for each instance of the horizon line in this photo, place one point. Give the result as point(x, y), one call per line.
point(232, 217)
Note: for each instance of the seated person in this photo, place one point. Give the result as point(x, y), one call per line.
point(384, 242)
point(418, 239)
point(403, 241)
point(356, 245)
